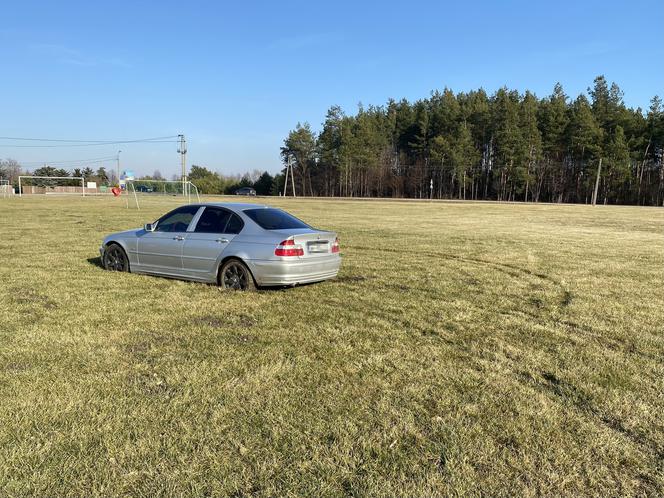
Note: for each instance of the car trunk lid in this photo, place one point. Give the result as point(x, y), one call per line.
point(314, 243)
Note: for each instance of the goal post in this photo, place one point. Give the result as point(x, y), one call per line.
point(4, 188)
point(141, 190)
point(48, 186)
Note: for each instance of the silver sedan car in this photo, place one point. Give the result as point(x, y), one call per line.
point(237, 246)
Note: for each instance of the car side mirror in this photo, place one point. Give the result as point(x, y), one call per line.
point(149, 227)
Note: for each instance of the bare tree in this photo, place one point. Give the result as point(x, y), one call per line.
point(254, 175)
point(10, 170)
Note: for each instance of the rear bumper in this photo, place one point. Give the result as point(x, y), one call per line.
point(295, 272)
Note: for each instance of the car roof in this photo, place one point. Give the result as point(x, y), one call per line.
point(234, 205)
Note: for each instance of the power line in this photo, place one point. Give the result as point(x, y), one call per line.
point(90, 144)
point(69, 165)
point(83, 143)
point(73, 161)
point(87, 141)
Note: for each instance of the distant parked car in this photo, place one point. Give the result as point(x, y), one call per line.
point(245, 191)
point(238, 246)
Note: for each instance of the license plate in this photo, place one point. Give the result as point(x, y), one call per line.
point(317, 247)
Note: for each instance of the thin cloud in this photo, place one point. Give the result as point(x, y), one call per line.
point(66, 55)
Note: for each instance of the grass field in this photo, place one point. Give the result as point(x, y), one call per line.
point(464, 349)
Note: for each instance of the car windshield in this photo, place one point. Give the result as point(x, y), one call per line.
point(274, 219)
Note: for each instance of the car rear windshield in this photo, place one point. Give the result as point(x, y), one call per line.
point(274, 219)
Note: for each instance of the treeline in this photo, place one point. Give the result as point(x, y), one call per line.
point(507, 147)
point(209, 182)
point(10, 169)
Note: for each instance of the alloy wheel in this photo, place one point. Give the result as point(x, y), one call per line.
point(235, 277)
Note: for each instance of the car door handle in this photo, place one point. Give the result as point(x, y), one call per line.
point(178, 237)
point(222, 241)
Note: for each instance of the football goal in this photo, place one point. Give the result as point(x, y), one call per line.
point(4, 188)
point(51, 185)
point(140, 191)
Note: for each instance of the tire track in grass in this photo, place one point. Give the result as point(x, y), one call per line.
point(565, 299)
point(566, 296)
point(551, 385)
point(531, 284)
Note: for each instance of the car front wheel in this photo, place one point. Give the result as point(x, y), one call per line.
point(235, 275)
point(115, 259)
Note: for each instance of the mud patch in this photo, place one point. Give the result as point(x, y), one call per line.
point(16, 367)
point(31, 297)
point(509, 443)
point(246, 321)
point(551, 379)
point(536, 302)
point(567, 298)
point(566, 391)
point(351, 278)
point(150, 346)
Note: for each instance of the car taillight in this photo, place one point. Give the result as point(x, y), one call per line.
point(335, 245)
point(288, 248)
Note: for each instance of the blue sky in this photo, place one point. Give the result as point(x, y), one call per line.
point(234, 77)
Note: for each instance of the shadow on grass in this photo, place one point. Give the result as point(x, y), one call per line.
point(96, 262)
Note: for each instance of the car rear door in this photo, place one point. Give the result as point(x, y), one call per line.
point(203, 247)
point(160, 251)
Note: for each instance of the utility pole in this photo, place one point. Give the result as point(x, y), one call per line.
point(118, 158)
point(183, 155)
point(599, 171)
point(292, 177)
point(287, 169)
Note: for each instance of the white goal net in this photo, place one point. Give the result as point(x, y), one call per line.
point(5, 188)
point(51, 185)
point(141, 191)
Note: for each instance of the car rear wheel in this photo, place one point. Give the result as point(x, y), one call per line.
point(234, 275)
point(115, 259)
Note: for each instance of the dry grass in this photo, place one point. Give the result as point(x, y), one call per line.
point(464, 349)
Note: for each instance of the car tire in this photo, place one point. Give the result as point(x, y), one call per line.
point(115, 258)
point(234, 275)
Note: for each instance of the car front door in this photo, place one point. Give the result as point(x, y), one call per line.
point(160, 251)
point(203, 247)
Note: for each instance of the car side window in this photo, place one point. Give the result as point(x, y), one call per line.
point(235, 224)
point(213, 220)
point(177, 220)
